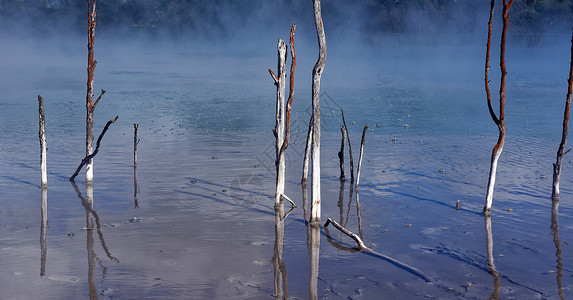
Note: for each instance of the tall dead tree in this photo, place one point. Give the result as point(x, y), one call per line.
point(316, 75)
point(282, 130)
point(90, 105)
point(500, 122)
point(561, 151)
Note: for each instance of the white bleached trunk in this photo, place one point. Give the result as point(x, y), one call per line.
point(316, 75)
point(280, 120)
point(491, 182)
point(360, 156)
point(43, 145)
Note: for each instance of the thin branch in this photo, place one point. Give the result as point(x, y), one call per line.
point(289, 200)
point(89, 157)
point(97, 100)
point(360, 156)
point(349, 147)
point(273, 76)
point(490, 28)
point(341, 153)
point(356, 238)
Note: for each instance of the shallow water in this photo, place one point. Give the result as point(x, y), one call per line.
point(196, 218)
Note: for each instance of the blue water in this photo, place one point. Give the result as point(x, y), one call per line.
point(196, 219)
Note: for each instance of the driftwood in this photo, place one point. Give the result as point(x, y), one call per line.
point(43, 145)
point(349, 147)
point(363, 248)
point(500, 122)
point(89, 157)
point(316, 75)
point(360, 156)
point(557, 166)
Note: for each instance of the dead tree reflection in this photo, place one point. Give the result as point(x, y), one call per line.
point(280, 274)
point(490, 263)
point(92, 216)
point(43, 231)
point(313, 240)
point(558, 246)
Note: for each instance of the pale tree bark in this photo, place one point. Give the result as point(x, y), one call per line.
point(500, 122)
point(316, 75)
point(282, 130)
point(307, 151)
point(557, 166)
point(43, 145)
point(360, 157)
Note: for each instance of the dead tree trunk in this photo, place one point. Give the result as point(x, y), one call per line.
point(282, 131)
point(360, 156)
point(316, 75)
point(307, 151)
point(500, 122)
point(557, 166)
point(90, 105)
point(43, 145)
point(341, 153)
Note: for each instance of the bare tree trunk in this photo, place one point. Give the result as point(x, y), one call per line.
point(341, 153)
point(280, 122)
point(557, 166)
point(307, 151)
point(500, 122)
point(349, 147)
point(360, 157)
point(316, 75)
point(43, 145)
point(92, 20)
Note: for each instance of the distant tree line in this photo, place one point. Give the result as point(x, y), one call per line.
point(220, 17)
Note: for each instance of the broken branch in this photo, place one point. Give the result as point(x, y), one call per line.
point(89, 157)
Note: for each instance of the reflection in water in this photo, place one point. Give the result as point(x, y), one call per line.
point(490, 264)
point(305, 202)
point(557, 242)
point(92, 216)
point(43, 229)
point(280, 275)
point(358, 214)
point(313, 239)
point(135, 187)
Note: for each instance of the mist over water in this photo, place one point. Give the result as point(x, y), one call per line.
point(195, 219)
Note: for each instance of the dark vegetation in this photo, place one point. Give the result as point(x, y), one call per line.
point(529, 19)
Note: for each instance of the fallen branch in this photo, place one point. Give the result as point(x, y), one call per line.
point(363, 248)
point(360, 157)
point(89, 157)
